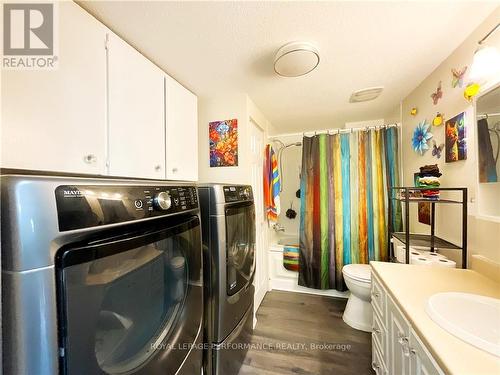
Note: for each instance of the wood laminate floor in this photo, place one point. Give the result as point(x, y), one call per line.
point(305, 334)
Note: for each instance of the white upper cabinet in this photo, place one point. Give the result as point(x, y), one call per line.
point(136, 113)
point(56, 119)
point(181, 109)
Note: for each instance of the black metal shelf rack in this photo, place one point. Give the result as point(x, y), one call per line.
point(428, 240)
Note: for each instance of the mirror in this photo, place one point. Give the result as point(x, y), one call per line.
point(488, 135)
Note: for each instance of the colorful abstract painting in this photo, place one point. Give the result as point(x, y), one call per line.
point(223, 143)
point(455, 138)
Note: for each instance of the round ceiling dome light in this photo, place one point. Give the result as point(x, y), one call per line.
point(296, 59)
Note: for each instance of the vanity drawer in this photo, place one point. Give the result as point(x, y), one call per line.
point(378, 364)
point(379, 335)
point(378, 299)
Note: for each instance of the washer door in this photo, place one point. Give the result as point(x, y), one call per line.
point(240, 241)
point(133, 303)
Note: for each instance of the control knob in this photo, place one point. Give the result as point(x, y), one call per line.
point(162, 201)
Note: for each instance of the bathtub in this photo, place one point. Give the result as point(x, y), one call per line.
point(282, 279)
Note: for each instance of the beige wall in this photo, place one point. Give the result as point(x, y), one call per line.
point(225, 107)
point(484, 235)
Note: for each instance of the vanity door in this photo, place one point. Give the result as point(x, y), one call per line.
point(399, 338)
point(421, 362)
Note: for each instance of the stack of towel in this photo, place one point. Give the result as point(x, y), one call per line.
point(429, 178)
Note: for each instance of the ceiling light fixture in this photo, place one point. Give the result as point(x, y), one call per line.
point(486, 61)
point(296, 59)
point(365, 95)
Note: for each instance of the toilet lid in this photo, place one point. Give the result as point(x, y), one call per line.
point(360, 272)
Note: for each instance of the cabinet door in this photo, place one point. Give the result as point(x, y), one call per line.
point(55, 120)
point(136, 107)
point(421, 361)
point(181, 132)
point(398, 345)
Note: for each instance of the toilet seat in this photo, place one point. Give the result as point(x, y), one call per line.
point(358, 272)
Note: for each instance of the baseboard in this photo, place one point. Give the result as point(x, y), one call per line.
point(291, 285)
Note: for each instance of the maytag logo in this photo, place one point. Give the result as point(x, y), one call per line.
point(72, 193)
point(29, 36)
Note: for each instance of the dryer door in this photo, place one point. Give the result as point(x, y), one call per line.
point(131, 303)
point(240, 241)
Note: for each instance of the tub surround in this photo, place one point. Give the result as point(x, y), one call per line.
point(410, 286)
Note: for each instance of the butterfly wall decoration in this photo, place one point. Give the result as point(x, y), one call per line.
point(471, 90)
point(436, 150)
point(458, 77)
point(438, 119)
point(437, 95)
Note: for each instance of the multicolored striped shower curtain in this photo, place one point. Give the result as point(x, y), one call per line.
point(344, 199)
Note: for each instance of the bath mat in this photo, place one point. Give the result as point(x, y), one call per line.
point(291, 258)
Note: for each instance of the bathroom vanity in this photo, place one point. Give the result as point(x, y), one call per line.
point(405, 340)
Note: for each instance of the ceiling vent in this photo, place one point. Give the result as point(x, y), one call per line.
point(365, 95)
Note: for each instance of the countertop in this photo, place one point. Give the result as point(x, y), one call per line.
point(410, 286)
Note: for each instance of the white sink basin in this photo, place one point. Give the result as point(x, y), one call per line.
point(472, 318)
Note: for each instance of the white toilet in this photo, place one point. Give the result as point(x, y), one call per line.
point(358, 312)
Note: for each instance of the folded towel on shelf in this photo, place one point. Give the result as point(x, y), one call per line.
point(430, 194)
point(429, 181)
point(430, 170)
point(428, 177)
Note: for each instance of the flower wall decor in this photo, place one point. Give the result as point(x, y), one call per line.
point(421, 135)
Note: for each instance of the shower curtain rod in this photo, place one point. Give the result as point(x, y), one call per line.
point(486, 115)
point(335, 131)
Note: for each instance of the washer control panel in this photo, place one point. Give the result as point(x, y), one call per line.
point(237, 193)
point(84, 206)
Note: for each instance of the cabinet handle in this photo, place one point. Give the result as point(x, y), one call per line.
point(375, 366)
point(375, 294)
point(158, 168)
point(174, 170)
point(90, 159)
point(413, 351)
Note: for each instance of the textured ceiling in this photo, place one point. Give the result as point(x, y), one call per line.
point(215, 47)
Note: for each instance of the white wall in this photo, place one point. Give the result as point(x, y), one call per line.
point(226, 107)
point(484, 236)
point(241, 107)
point(362, 124)
point(223, 107)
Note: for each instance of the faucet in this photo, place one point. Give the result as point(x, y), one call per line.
point(278, 227)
